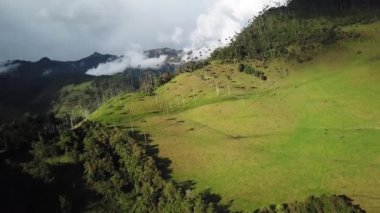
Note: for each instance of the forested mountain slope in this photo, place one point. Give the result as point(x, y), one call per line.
point(283, 119)
point(32, 86)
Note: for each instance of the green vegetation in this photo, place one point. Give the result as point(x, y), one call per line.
point(250, 70)
point(306, 130)
point(106, 171)
point(289, 110)
point(315, 204)
point(19, 96)
point(77, 101)
point(98, 169)
point(294, 33)
point(331, 5)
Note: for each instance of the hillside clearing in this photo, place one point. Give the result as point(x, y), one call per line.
point(313, 130)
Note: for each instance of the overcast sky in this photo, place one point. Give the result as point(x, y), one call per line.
point(72, 29)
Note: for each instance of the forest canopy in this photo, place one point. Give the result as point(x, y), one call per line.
point(297, 31)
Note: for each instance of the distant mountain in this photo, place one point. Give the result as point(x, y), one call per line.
point(47, 67)
point(31, 86)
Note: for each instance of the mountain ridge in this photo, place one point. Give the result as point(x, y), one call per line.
point(32, 86)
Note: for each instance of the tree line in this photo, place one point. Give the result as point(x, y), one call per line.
point(78, 101)
point(296, 31)
point(333, 4)
point(116, 172)
point(47, 166)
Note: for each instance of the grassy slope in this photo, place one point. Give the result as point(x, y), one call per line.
point(314, 131)
point(74, 91)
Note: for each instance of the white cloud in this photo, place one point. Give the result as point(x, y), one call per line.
point(5, 67)
point(47, 72)
point(223, 20)
point(177, 36)
point(130, 59)
point(69, 30)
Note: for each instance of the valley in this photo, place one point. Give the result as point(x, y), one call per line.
point(262, 107)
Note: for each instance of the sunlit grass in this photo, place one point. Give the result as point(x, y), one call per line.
point(312, 130)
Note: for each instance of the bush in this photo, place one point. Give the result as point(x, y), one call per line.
point(241, 67)
point(252, 71)
point(333, 204)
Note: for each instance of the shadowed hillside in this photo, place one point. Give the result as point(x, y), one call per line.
point(32, 86)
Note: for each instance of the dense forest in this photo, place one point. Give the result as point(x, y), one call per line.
point(297, 31)
point(332, 5)
point(60, 163)
point(48, 167)
point(91, 168)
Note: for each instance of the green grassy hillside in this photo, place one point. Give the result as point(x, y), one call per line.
point(311, 128)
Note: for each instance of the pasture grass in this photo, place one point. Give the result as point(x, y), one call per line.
point(311, 128)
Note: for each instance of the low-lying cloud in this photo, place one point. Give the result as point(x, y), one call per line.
point(6, 67)
point(131, 59)
point(68, 30)
point(214, 28)
point(222, 21)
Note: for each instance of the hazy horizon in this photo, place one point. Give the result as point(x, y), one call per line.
point(72, 30)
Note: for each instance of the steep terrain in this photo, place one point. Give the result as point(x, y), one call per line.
point(283, 119)
point(32, 86)
point(38, 87)
point(310, 128)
